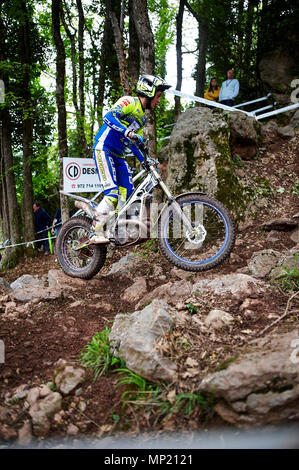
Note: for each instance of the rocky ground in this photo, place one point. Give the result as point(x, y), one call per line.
point(217, 317)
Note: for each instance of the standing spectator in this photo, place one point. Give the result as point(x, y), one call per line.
point(56, 225)
point(229, 89)
point(42, 222)
point(212, 93)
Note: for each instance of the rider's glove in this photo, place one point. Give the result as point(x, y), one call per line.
point(148, 163)
point(135, 138)
point(151, 161)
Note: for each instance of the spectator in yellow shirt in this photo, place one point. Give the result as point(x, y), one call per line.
point(212, 93)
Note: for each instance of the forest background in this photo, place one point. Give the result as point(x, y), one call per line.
point(93, 52)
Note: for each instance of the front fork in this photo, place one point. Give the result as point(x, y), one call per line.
point(174, 204)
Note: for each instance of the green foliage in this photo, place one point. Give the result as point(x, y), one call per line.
point(156, 397)
point(163, 17)
point(288, 278)
point(265, 188)
point(96, 355)
point(191, 308)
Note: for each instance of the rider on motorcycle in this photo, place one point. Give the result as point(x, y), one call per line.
point(123, 125)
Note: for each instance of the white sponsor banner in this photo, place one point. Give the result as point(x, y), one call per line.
point(80, 176)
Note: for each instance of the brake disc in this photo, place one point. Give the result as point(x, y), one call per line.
point(196, 235)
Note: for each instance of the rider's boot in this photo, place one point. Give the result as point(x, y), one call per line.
point(98, 231)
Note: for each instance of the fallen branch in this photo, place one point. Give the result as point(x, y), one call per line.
point(282, 316)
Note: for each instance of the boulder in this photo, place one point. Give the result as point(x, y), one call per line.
point(261, 387)
point(171, 293)
point(134, 338)
point(286, 262)
point(275, 69)
point(200, 158)
point(269, 133)
point(244, 135)
point(57, 279)
point(294, 122)
point(262, 262)
point(238, 285)
point(126, 265)
point(36, 294)
point(137, 290)
point(27, 281)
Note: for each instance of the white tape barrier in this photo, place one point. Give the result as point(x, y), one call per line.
point(278, 111)
point(26, 243)
point(229, 108)
point(259, 110)
point(253, 101)
point(207, 102)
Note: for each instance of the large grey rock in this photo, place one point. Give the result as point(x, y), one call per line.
point(261, 387)
point(244, 135)
point(134, 338)
point(35, 293)
point(238, 285)
point(59, 280)
point(27, 281)
point(262, 262)
point(275, 69)
point(170, 292)
point(200, 158)
point(136, 291)
point(269, 132)
point(126, 265)
point(294, 122)
point(270, 263)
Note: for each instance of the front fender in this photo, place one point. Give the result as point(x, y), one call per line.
point(188, 193)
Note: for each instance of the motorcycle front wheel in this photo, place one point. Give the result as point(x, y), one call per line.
point(88, 261)
point(209, 241)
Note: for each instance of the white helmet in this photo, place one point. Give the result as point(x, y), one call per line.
point(148, 85)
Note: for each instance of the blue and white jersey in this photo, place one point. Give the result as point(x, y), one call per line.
point(126, 114)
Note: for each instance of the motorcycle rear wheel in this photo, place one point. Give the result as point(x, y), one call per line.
point(88, 261)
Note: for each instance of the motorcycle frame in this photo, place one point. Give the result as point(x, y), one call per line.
point(142, 191)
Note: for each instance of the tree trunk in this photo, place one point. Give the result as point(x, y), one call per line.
point(26, 63)
point(179, 60)
point(9, 209)
point(145, 36)
point(147, 65)
point(60, 100)
point(134, 54)
point(202, 54)
point(9, 206)
point(105, 50)
point(120, 50)
point(81, 78)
